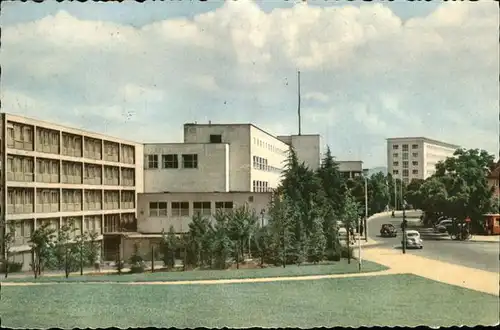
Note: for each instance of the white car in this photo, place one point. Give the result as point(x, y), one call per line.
point(413, 240)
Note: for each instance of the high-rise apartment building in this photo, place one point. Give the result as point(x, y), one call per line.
point(416, 157)
point(52, 174)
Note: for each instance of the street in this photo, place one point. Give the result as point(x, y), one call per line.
point(479, 255)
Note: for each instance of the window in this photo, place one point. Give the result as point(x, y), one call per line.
point(180, 209)
point(414, 146)
point(414, 163)
point(190, 161)
point(414, 172)
point(405, 156)
point(405, 164)
point(152, 161)
point(215, 138)
point(406, 173)
point(405, 147)
point(395, 172)
point(395, 163)
point(224, 205)
point(395, 147)
point(395, 155)
point(170, 161)
point(414, 155)
point(203, 208)
point(157, 209)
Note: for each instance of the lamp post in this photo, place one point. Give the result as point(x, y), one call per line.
point(403, 206)
point(366, 209)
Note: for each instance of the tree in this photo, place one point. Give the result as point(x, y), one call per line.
point(378, 193)
point(169, 245)
point(93, 248)
point(263, 242)
point(9, 240)
point(331, 184)
point(136, 261)
point(463, 187)
point(349, 217)
point(66, 251)
point(41, 242)
point(281, 222)
point(222, 246)
point(413, 194)
point(317, 242)
point(201, 233)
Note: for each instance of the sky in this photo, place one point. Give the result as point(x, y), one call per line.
point(369, 70)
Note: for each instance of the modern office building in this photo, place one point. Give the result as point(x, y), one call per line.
point(224, 158)
point(416, 157)
point(350, 168)
point(52, 174)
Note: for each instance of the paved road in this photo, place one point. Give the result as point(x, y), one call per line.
point(479, 255)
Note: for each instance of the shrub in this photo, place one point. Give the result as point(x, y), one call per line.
point(332, 255)
point(344, 252)
point(137, 268)
point(14, 267)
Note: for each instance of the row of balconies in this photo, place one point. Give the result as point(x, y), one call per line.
point(68, 207)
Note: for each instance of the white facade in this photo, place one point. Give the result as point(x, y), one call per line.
point(157, 212)
point(230, 158)
point(307, 148)
point(415, 157)
point(51, 174)
point(350, 168)
point(185, 167)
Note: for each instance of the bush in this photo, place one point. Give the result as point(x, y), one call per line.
point(332, 255)
point(14, 267)
point(344, 252)
point(137, 268)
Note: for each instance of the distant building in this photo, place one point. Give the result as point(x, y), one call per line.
point(416, 157)
point(52, 174)
point(350, 168)
point(494, 180)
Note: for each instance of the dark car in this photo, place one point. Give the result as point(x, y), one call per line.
point(388, 230)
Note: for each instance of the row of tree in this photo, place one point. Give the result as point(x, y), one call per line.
point(302, 225)
point(53, 249)
point(458, 189)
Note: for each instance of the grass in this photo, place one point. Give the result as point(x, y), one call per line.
point(341, 267)
point(404, 300)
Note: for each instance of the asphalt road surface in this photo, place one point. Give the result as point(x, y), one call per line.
point(479, 255)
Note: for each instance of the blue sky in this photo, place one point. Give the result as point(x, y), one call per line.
point(369, 70)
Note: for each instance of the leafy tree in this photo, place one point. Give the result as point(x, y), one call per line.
point(93, 248)
point(317, 242)
point(66, 251)
point(9, 240)
point(349, 217)
point(201, 233)
point(378, 193)
point(168, 246)
point(263, 241)
point(41, 242)
point(413, 194)
point(241, 223)
point(464, 190)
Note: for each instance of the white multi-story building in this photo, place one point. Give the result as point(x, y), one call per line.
point(224, 158)
point(416, 157)
point(350, 168)
point(53, 174)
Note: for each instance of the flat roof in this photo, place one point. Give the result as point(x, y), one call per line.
point(239, 124)
point(427, 140)
point(68, 129)
point(205, 193)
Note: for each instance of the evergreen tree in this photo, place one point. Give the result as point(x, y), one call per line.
point(316, 242)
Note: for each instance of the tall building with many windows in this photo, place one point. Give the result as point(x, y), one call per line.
point(416, 157)
point(52, 174)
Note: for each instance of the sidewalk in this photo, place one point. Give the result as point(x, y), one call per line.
point(466, 277)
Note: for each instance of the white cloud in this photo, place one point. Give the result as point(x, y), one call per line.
point(366, 74)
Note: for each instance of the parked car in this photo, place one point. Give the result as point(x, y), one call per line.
point(342, 236)
point(388, 230)
point(413, 240)
point(443, 226)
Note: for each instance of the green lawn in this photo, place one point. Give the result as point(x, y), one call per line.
point(341, 267)
point(404, 300)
